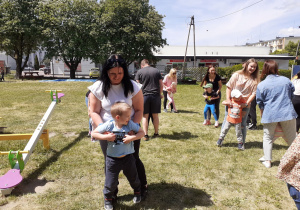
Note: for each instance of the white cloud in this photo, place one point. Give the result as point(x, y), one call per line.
point(289, 32)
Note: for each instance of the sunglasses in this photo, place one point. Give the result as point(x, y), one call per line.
point(174, 73)
point(114, 60)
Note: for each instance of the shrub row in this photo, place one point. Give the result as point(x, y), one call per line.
point(226, 72)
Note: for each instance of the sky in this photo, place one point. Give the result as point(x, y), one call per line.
point(228, 22)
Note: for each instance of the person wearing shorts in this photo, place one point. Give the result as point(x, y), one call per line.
point(152, 87)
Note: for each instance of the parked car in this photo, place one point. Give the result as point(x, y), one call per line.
point(94, 73)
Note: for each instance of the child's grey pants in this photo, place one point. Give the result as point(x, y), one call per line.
point(238, 130)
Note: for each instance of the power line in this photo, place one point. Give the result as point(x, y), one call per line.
point(230, 13)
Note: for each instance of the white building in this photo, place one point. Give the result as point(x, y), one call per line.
point(222, 56)
point(279, 43)
point(173, 56)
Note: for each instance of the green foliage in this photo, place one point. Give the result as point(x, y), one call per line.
point(20, 31)
point(228, 71)
point(286, 73)
point(132, 28)
point(36, 63)
point(68, 30)
point(290, 49)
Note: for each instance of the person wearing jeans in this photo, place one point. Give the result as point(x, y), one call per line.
point(274, 98)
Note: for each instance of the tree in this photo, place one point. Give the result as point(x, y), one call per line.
point(290, 49)
point(132, 28)
point(68, 27)
point(20, 31)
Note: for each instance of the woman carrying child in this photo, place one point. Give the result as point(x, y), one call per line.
point(170, 79)
point(246, 81)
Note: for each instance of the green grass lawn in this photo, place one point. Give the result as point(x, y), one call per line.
point(185, 168)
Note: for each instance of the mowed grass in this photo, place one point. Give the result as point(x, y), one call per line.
point(185, 169)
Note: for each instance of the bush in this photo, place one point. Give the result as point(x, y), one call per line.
point(228, 71)
point(286, 73)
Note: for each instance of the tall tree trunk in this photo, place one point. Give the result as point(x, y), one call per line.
point(72, 72)
point(19, 67)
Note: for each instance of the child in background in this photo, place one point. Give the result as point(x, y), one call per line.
point(234, 118)
point(120, 151)
point(171, 90)
point(210, 95)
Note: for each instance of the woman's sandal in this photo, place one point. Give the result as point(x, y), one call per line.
point(155, 135)
point(146, 138)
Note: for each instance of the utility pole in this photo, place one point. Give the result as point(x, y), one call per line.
point(192, 23)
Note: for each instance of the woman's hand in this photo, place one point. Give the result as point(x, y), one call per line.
point(110, 137)
point(229, 103)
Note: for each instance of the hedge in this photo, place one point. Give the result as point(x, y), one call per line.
point(226, 72)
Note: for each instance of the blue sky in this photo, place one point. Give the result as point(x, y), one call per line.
point(264, 20)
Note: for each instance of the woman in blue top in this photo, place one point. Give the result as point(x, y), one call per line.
point(274, 98)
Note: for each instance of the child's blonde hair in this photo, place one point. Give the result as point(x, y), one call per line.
point(119, 108)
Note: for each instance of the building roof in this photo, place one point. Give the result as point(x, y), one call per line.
point(219, 52)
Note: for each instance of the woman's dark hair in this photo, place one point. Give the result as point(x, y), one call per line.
point(206, 77)
point(112, 62)
point(270, 67)
point(298, 75)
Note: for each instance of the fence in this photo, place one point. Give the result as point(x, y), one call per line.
point(195, 73)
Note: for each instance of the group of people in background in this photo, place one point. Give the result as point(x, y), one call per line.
point(118, 104)
point(245, 81)
point(278, 99)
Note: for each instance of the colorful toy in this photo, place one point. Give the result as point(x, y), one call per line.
point(18, 159)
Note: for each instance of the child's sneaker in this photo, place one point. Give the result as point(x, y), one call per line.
point(137, 197)
point(205, 122)
point(216, 124)
point(241, 146)
point(220, 142)
point(165, 110)
point(108, 205)
point(208, 122)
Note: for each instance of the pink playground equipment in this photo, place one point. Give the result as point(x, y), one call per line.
point(18, 159)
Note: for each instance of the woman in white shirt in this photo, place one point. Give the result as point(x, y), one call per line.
point(115, 85)
point(296, 99)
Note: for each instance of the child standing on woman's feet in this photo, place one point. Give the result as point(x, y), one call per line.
point(210, 96)
point(234, 118)
point(120, 151)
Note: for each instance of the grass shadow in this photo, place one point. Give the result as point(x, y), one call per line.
point(32, 178)
point(185, 111)
point(179, 136)
point(169, 196)
point(255, 144)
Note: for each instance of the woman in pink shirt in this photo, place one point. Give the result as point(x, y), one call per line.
point(167, 87)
